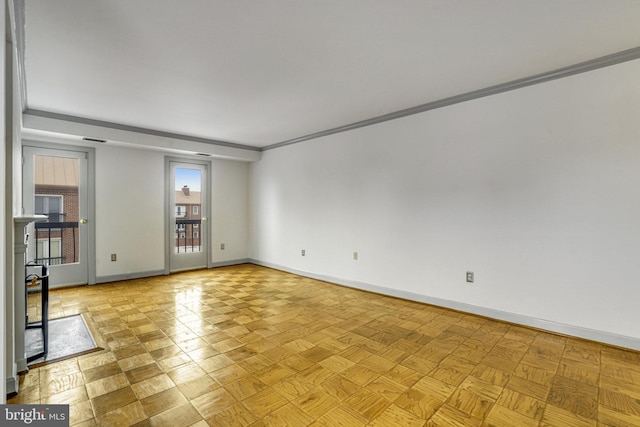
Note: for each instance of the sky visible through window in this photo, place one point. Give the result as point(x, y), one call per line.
point(188, 177)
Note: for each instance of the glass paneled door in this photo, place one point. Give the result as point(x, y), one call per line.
point(188, 246)
point(55, 185)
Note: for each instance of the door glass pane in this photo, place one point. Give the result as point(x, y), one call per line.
point(56, 195)
point(188, 187)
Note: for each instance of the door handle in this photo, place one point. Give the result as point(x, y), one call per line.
point(83, 221)
point(204, 218)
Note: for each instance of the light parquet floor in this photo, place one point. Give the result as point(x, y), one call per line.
point(252, 346)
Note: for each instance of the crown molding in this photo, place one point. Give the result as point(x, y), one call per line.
point(135, 129)
point(560, 73)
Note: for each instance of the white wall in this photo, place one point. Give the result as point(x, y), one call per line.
point(10, 195)
point(130, 203)
point(229, 210)
point(130, 192)
point(537, 191)
point(4, 260)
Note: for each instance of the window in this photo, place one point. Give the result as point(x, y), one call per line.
point(49, 250)
point(195, 210)
point(50, 206)
point(181, 211)
point(195, 235)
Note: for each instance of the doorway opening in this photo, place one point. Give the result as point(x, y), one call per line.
point(187, 227)
point(56, 184)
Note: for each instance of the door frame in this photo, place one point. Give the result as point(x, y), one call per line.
point(91, 195)
point(206, 208)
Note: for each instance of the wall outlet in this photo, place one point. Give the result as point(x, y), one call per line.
point(470, 276)
point(222, 246)
point(114, 257)
point(303, 252)
point(355, 256)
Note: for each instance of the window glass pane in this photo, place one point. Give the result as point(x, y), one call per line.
point(39, 205)
point(54, 249)
point(54, 205)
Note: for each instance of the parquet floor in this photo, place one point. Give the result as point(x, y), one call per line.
point(251, 346)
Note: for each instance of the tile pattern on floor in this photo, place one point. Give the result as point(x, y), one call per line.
point(252, 346)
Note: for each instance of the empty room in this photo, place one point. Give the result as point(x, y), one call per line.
point(336, 213)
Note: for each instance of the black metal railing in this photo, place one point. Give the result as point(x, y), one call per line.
point(53, 260)
point(65, 231)
point(186, 238)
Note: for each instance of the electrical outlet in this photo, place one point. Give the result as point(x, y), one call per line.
point(303, 253)
point(222, 246)
point(114, 257)
point(470, 276)
point(355, 256)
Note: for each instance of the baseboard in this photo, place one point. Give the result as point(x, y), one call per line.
point(231, 262)
point(129, 276)
point(154, 273)
point(519, 319)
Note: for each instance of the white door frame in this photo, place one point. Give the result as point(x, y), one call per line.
point(205, 231)
point(90, 226)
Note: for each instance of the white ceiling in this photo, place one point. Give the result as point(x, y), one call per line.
point(259, 73)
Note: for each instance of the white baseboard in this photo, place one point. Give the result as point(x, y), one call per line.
point(129, 276)
point(231, 262)
point(154, 273)
point(519, 319)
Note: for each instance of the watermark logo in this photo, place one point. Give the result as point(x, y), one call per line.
point(34, 415)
